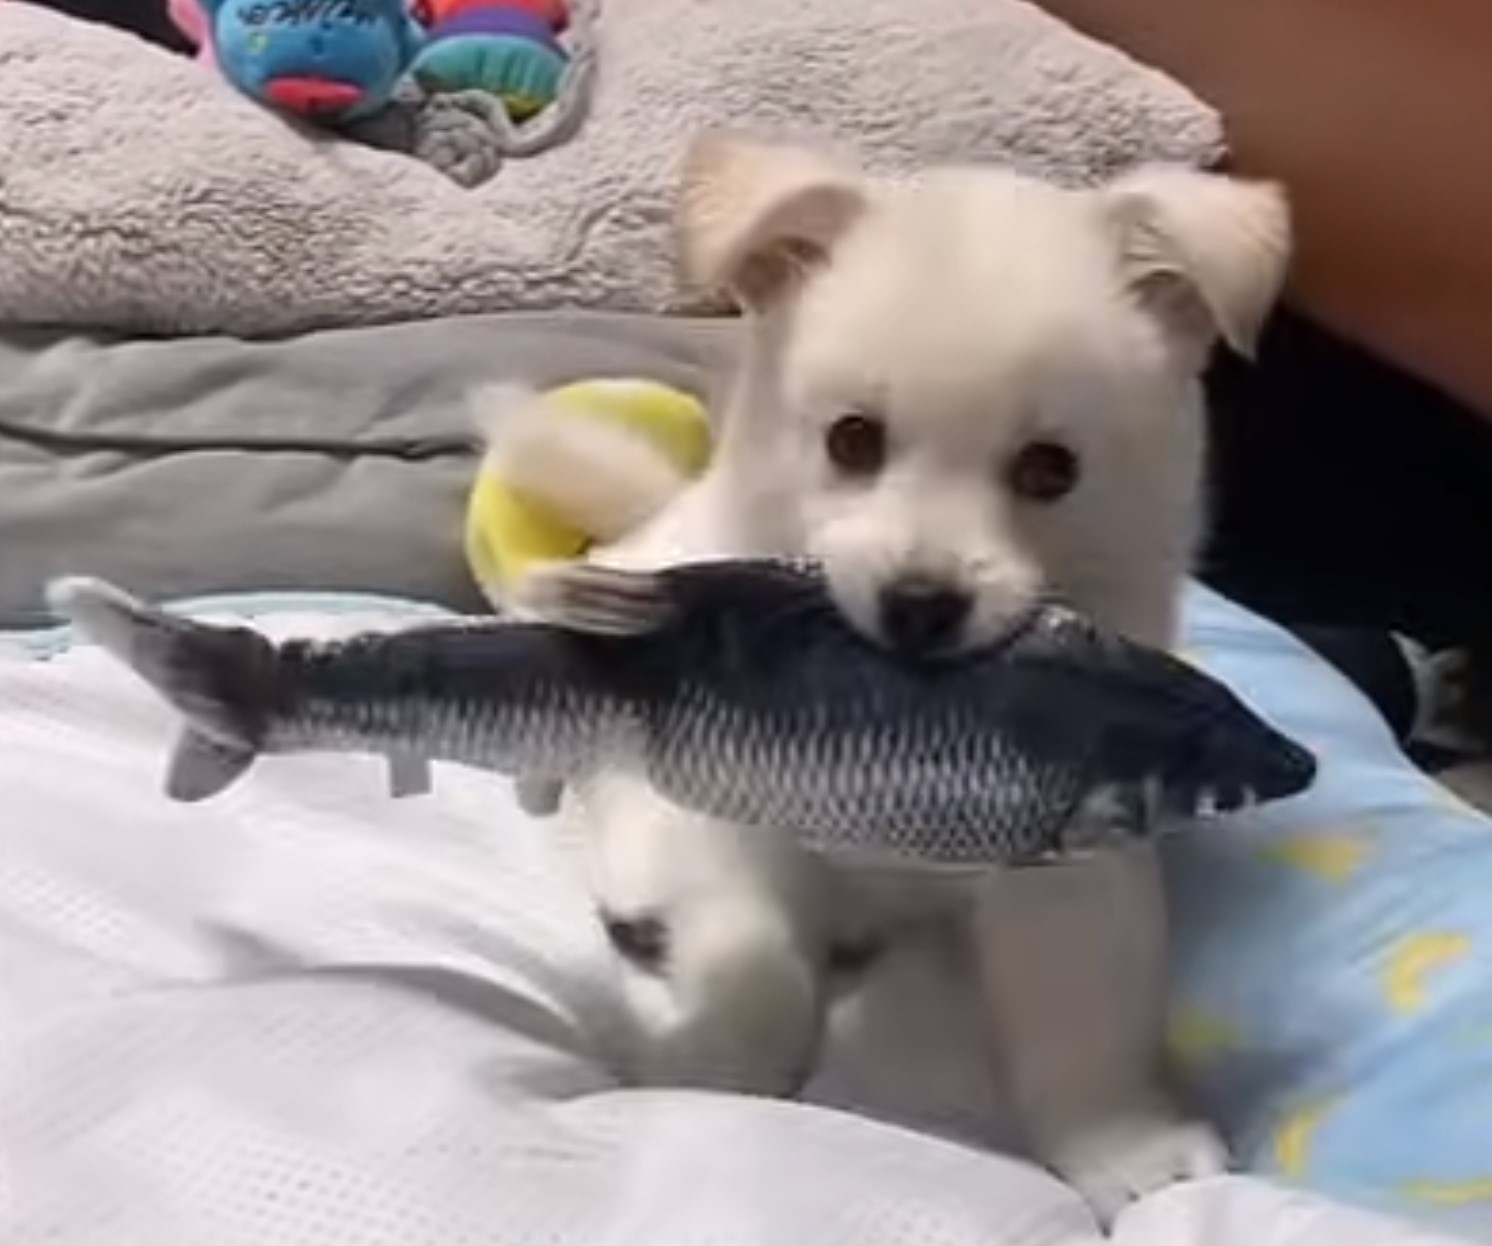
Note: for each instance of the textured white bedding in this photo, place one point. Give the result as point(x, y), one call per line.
point(306, 1014)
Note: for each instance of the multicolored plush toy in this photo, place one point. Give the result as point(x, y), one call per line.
point(507, 48)
point(326, 60)
point(190, 18)
point(540, 493)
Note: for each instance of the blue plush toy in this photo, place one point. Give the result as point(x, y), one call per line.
point(325, 60)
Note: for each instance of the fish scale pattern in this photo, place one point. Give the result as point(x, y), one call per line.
point(853, 774)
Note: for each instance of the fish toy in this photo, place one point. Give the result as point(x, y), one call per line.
point(737, 689)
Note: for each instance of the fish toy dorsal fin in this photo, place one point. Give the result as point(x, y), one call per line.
point(605, 601)
point(539, 797)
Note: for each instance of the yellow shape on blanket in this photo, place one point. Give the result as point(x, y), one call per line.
point(1296, 1136)
point(1412, 960)
point(1451, 1193)
point(1332, 857)
point(1196, 1036)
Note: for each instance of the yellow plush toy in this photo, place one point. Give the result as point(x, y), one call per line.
point(572, 466)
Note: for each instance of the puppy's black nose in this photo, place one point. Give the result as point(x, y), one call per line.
point(921, 615)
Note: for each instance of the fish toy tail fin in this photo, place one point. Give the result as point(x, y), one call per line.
point(220, 679)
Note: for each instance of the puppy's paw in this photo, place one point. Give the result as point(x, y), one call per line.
point(1115, 1162)
point(722, 996)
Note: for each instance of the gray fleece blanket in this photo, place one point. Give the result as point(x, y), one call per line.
point(139, 193)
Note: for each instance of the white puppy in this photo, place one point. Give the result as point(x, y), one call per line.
point(958, 390)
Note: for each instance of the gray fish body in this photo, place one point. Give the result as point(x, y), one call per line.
point(517, 698)
point(738, 690)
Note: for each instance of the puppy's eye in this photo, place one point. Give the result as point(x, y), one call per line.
point(852, 958)
point(1043, 471)
point(856, 444)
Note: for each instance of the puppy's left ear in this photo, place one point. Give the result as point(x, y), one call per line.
point(1206, 253)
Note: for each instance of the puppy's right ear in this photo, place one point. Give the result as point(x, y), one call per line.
point(1205, 252)
point(755, 216)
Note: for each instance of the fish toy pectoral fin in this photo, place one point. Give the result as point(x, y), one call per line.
point(539, 797)
point(201, 767)
point(1108, 816)
point(409, 775)
point(589, 598)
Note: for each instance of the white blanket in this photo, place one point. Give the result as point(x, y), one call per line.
point(306, 1015)
point(138, 192)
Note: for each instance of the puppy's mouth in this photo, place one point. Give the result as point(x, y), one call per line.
point(920, 616)
point(919, 625)
point(980, 628)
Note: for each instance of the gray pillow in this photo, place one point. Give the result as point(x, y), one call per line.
point(338, 460)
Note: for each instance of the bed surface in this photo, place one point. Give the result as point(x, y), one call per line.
point(303, 1013)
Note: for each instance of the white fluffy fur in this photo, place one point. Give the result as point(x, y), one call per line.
point(973, 310)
